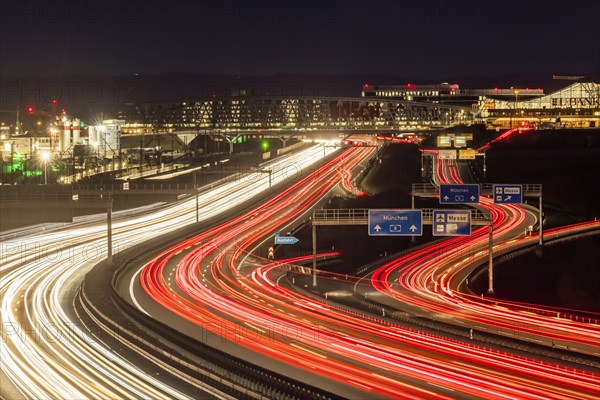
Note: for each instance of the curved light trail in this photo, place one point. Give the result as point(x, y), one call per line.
point(45, 351)
point(436, 284)
point(217, 282)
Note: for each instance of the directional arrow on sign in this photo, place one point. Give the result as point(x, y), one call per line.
point(508, 193)
point(377, 228)
point(412, 228)
point(459, 194)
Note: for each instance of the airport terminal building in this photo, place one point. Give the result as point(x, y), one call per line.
point(575, 106)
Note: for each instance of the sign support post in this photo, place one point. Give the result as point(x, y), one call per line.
point(541, 221)
point(490, 260)
point(197, 208)
point(314, 265)
point(413, 238)
point(109, 232)
point(195, 185)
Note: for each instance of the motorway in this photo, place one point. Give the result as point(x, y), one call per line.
point(45, 351)
point(216, 280)
point(212, 277)
point(217, 286)
point(437, 286)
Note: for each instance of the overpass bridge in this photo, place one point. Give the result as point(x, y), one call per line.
point(292, 116)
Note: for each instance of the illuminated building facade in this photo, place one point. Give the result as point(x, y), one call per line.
point(306, 113)
point(445, 93)
point(577, 105)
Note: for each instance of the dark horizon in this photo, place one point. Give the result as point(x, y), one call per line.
point(90, 96)
point(419, 39)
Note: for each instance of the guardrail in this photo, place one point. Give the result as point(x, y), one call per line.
point(529, 189)
point(54, 197)
point(360, 216)
point(486, 189)
point(132, 186)
point(347, 216)
point(234, 377)
point(424, 189)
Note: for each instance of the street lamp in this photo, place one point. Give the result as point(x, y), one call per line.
point(516, 106)
point(45, 158)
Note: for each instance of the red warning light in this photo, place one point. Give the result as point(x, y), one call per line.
point(30, 109)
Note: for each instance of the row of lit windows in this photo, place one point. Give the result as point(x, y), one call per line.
point(404, 94)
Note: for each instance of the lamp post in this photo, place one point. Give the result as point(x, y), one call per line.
point(516, 106)
point(45, 158)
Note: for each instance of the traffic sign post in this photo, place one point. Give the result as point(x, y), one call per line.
point(395, 223)
point(459, 194)
point(507, 194)
point(490, 259)
point(451, 222)
point(527, 190)
point(456, 222)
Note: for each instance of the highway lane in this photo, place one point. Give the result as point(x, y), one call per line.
point(103, 380)
point(45, 351)
point(429, 285)
point(217, 282)
point(208, 250)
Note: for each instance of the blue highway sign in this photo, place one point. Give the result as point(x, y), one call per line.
point(508, 194)
point(395, 222)
point(451, 222)
point(459, 194)
point(285, 239)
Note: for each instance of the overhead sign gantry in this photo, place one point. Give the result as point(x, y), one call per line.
point(353, 216)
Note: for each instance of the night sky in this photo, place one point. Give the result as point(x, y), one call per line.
point(406, 38)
